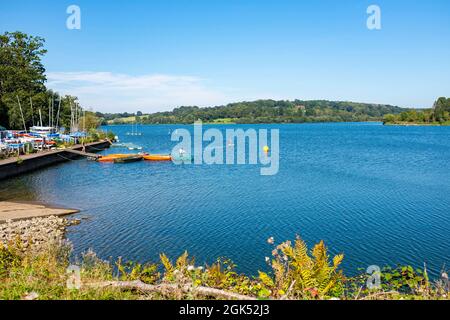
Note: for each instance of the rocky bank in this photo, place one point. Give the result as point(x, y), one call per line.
point(36, 232)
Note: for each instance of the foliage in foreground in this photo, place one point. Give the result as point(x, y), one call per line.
point(297, 273)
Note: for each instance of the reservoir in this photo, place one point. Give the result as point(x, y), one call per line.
point(379, 194)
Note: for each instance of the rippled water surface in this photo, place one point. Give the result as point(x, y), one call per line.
point(380, 195)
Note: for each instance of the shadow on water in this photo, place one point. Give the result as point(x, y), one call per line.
point(17, 190)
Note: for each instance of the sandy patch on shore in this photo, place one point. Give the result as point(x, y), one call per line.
point(21, 211)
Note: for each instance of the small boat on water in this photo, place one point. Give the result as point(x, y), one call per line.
point(157, 157)
point(118, 145)
point(134, 148)
point(129, 146)
point(132, 158)
point(112, 157)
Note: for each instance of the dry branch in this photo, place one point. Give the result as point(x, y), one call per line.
point(379, 294)
point(170, 288)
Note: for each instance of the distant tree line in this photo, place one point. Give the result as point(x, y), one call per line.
point(22, 83)
point(439, 114)
point(268, 111)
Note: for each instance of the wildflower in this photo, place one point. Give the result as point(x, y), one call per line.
point(271, 240)
point(313, 291)
point(190, 268)
point(31, 296)
point(267, 259)
point(284, 245)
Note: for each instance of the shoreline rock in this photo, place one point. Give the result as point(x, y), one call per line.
point(36, 232)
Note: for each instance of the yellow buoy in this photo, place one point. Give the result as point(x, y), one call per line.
point(266, 149)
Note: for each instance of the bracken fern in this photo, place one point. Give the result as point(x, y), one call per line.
point(301, 274)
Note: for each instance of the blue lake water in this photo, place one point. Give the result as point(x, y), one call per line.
point(378, 194)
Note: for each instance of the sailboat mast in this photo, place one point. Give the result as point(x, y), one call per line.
point(21, 113)
point(53, 105)
point(40, 115)
point(71, 117)
point(75, 124)
point(32, 112)
point(49, 105)
point(57, 115)
point(79, 116)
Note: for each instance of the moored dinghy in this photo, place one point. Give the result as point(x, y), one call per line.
point(113, 157)
point(157, 157)
point(134, 147)
point(131, 158)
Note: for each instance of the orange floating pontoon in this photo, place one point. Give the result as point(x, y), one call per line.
point(158, 157)
point(113, 157)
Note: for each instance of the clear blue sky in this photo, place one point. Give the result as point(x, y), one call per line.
point(155, 55)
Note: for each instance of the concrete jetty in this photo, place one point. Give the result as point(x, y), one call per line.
point(15, 166)
point(83, 154)
point(22, 211)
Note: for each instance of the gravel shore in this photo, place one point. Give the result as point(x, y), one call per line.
point(36, 232)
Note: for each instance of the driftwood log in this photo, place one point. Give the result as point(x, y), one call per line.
point(378, 294)
point(170, 288)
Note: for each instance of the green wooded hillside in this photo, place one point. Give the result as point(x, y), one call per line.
point(438, 115)
point(267, 111)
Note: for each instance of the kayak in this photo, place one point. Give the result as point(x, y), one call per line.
point(112, 157)
point(158, 157)
point(132, 158)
